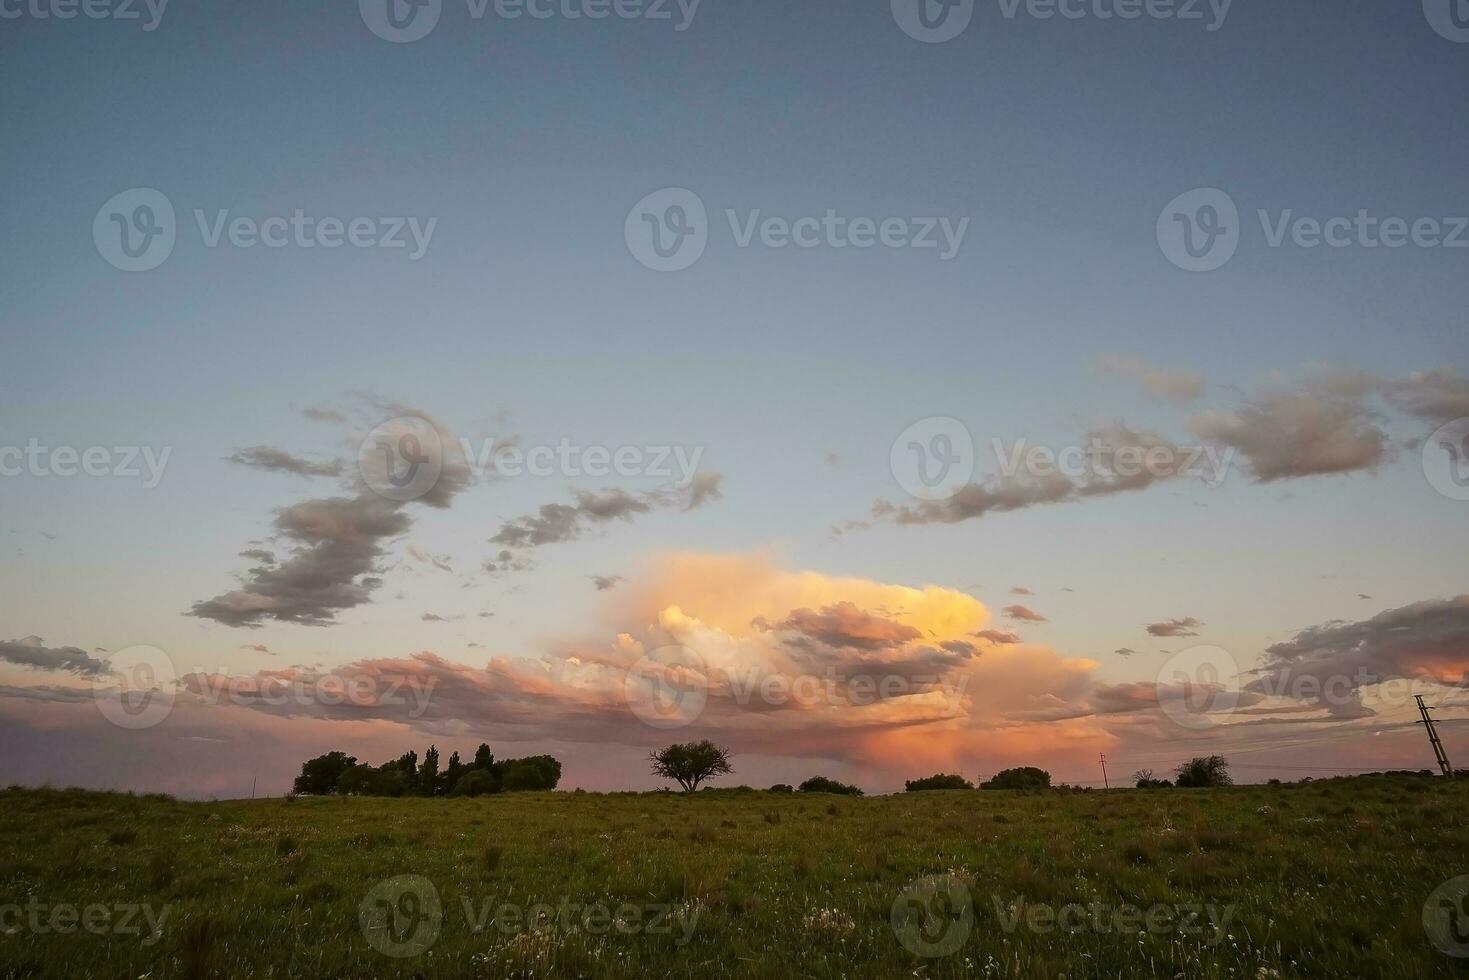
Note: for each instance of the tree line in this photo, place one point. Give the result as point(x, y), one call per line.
point(689, 764)
point(339, 774)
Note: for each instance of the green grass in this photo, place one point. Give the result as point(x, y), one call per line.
point(1324, 880)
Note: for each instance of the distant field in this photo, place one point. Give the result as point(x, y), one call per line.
point(1326, 880)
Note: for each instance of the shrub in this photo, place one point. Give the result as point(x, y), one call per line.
point(1204, 771)
point(782, 788)
point(820, 784)
point(1024, 777)
point(939, 781)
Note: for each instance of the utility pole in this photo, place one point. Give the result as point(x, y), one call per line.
point(1438, 752)
point(1105, 784)
point(253, 782)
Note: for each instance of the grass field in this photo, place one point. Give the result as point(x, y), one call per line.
point(1328, 879)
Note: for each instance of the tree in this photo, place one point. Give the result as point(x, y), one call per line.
point(535, 772)
point(428, 773)
point(690, 763)
point(782, 788)
point(1024, 777)
point(319, 776)
point(820, 784)
point(940, 781)
point(484, 759)
point(1204, 771)
point(1146, 780)
point(451, 775)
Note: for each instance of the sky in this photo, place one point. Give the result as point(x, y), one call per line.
point(802, 265)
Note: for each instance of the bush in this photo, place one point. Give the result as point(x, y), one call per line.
point(820, 784)
point(782, 788)
point(940, 781)
point(1203, 772)
point(1024, 777)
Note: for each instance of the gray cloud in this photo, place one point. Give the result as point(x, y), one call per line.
point(337, 544)
point(1424, 641)
point(279, 461)
point(999, 637)
point(32, 652)
point(606, 582)
point(844, 624)
point(556, 523)
point(1024, 614)
point(1325, 428)
point(1183, 626)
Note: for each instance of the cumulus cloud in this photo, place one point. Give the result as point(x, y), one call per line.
point(32, 652)
point(844, 624)
point(279, 461)
point(1024, 613)
point(1169, 384)
point(1182, 626)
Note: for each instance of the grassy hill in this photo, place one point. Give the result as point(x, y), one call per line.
point(1328, 880)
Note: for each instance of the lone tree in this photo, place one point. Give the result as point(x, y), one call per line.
point(690, 763)
point(1204, 771)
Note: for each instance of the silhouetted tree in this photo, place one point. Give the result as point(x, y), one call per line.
point(690, 763)
point(483, 758)
point(428, 773)
point(1203, 771)
point(940, 781)
point(319, 776)
point(1023, 777)
point(820, 784)
point(1146, 780)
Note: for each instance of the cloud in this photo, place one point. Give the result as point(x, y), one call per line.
point(1183, 626)
point(1124, 651)
point(1440, 395)
point(1000, 637)
point(1020, 590)
point(280, 461)
point(844, 624)
point(440, 562)
point(258, 648)
point(1324, 428)
point(1169, 384)
point(606, 582)
point(323, 415)
point(1426, 641)
point(1024, 614)
point(31, 651)
point(556, 523)
point(336, 544)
